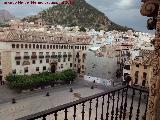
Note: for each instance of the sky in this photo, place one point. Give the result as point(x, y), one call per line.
point(123, 12)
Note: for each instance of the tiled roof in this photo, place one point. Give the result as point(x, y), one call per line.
point(42, 37)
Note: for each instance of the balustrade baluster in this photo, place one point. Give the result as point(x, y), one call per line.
point(107, 113)
point(96, 108)
point(131, 107)
point(44, 117)
point(102, 107)
point(83, 105)
point(74, 115)
point(116, 117)
point(112, 112)
point(90, 109)
point(145, 113)
point(55, 115)
point(65, 111)
point(121, 107)
point(139, 103)
point(125, 104)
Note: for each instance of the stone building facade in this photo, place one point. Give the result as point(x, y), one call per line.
point(32, 52)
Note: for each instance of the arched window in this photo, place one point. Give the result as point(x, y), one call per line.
point(44, 46)
point(37, 46)
point(61, 46)
point(30, 46)
point(50, 46)
point(33, 46)
point(47, 46)
point(13, 45)
point(82, 47)
point(56, 46)
point(26, 46)
point(17, 46)
point(40, 46)
point(21, 45)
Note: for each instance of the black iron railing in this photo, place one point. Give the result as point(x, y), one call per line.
point(124, 103)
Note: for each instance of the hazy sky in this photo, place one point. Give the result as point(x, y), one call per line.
point(123, 12)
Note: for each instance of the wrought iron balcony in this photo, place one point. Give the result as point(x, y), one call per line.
point(69, 56)
point(59, 56)
point(26, 57)
point(17, 57)
point(34, 56)
point(64, 55)
point(53, 56)
point(48, 56)
point(41, 56)
point(124, 103)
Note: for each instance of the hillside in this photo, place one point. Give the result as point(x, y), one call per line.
point(80, 14)
point(5, 16)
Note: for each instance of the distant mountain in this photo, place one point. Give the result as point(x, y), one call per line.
point(5, 16)
point(80, 14)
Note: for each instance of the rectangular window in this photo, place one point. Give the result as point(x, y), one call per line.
point(70, 64)
point(33, 62)
point(37, 68)
point(64, 59)
point(47, 60)
point(40, 53)
point(26, 70)
point(47, 53)
point(137, 65)
point(40, 61)
point(25, 53)
point(59, 59)
point(61, 65)
point(44, 68)
point(68, 59)
point(17, 62)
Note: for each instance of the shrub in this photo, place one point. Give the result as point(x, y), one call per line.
point(39, 80)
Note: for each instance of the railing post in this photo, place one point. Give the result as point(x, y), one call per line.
point(151, 8)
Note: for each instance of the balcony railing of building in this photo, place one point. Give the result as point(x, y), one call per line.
point(53, 56)
point(48, 56)
point(124, 103)
point(34, 56)
point(59, 56)
point(41, 56)
point(26, 57)
point(69, 56)
point(65, 55)
point(18, 58)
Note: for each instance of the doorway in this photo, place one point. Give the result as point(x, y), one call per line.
point(53, 68)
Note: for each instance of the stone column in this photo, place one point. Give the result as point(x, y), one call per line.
point(151, 9)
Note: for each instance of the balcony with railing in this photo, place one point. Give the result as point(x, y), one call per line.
point(48, 56)
point(53, 56)
point(26, 57)
point(123, 103)
point(34, 56)
point(41, 56)
point(65, 55)
point(17, 57)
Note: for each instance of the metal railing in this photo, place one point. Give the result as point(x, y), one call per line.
point(124, 103)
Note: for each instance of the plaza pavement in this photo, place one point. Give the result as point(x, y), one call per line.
point(36, 101)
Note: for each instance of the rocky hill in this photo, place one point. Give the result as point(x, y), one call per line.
point(5, 16)
point(80, 14)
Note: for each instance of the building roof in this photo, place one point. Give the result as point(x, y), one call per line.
point(30, 36)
